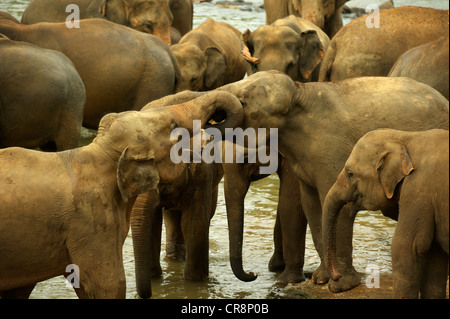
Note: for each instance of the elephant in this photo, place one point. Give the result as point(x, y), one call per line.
point(78, 202)
point(187, 203)
point(291, 45)
point(7, 16)
point(370, 45)
point(407, 175)
point(209, 56)
point(150, 16)
point(122, 69)
point(42, 98)
point(318, 123)
point(324, 14)
point(427, 63)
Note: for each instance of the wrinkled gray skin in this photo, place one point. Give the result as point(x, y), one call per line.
point(121, 68)
point(42, 98)
point(290, 45)
point(326, 14)
point(209, 56)
point(404, 174)
point(150, 16)
point(318, 124)
point(72, 216)
point(189, 202)
point(361, 51)
point(427, 63)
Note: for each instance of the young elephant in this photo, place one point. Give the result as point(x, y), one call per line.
point(42, 98)
point(209, 56)
point(187, 203)
point(73, 207)
point(291, 45)
point(358, 50)
point(121, 68)
point(407, 174)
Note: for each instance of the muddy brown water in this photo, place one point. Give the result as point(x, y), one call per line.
point(372, 231)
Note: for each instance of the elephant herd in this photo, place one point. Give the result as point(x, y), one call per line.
point(361, 112)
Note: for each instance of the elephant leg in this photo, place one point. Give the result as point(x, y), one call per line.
point(276, 262)
point(313, 211)
point(195, 222)
point(17, 293)
point(175, 249)
point(102, 276)
point(411, 244)
point(293, 224)
point(434, 274)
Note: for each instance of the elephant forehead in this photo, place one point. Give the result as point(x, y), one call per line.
point(269, 34)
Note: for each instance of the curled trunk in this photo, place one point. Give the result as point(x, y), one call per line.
point(222, 107)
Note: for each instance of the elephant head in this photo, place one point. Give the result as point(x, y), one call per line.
point(369, 181)
point(266, 96)
point(319, 12)
point(200, 69)
point(283, 46)
point(150, 16)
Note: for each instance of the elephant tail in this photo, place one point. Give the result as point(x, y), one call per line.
point(327, 63)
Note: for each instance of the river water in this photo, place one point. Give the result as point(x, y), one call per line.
point(372, 231)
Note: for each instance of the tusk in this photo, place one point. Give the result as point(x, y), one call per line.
point(248, 56)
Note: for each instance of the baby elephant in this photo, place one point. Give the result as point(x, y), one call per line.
point(406, 176)
point(209, 56)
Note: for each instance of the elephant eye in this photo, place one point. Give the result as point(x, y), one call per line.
point(350, 175)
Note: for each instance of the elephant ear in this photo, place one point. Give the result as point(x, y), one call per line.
point(115, 11)
point(393, 166)
point(311, 53)
point(215, 68)
point(136, 175)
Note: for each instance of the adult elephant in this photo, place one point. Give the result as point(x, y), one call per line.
point(122, 69)
point(78, 202)
point(385, 171)
point(326, 14)
point(151, 16)
point(318, 124)
point(427, 63)
point(358, 50)
point(188, 202)
point(42, 98)
point(209, 56)
point(290, 45)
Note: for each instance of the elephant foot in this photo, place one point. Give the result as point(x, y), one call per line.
point(276, 263)
point(346, 282)
point(320, 275)
point(175, 251)
point(291, 276)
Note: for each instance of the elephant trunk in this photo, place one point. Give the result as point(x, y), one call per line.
point(331, 209)
point(235, 188)
point(146, 227)
point(223, 108)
